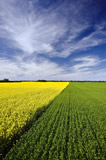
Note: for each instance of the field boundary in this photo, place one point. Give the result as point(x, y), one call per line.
point(39, 112)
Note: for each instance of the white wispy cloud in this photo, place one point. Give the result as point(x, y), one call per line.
point(30, 70)
point(34, 31)
point(29, 31)
point(83, 69)
point(96, 38)
point(83, 63)
point(51, 31)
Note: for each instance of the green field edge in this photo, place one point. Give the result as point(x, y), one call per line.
point(39, 112)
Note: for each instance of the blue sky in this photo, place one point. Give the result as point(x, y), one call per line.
point(53, 39)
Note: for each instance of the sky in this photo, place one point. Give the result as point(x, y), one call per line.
point(53, 39)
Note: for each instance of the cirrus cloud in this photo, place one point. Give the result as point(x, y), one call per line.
point(35, 33)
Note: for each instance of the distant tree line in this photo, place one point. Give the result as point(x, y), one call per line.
point(4, 80)
point(43, 80)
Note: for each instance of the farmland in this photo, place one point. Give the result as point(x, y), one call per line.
point(19, 103)
point(72, 127)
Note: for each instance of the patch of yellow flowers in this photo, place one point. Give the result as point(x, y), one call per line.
point(19, 102)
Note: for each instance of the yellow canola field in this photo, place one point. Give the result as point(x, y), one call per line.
point(19, 102)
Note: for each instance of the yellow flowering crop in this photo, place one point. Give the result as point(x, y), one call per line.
point(19, 102)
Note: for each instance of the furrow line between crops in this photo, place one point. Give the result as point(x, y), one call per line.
point(50, 132)
point(94, 134)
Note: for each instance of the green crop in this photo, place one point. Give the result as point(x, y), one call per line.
point(72, 128)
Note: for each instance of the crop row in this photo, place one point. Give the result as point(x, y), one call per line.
point(71, 128)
